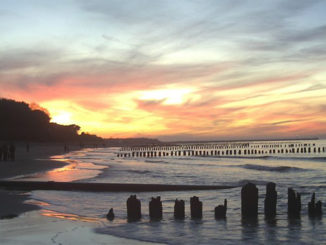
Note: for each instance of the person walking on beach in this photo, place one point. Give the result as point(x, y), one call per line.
point(12, 152)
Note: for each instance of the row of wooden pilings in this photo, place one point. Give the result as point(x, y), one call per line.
point(249, 205)
point(223, 152)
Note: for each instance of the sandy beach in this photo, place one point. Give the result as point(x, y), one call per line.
point(21, 221)
point(36, 160)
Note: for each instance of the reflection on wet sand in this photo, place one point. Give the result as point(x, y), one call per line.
point(66, 216)
point(75, 170)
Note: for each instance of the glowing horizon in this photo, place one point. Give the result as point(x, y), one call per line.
point(186, 70)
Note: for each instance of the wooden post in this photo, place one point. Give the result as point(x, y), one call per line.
point(133, 208)
point(294, 203)
point(196, 208)
point(110, 215)
point(155, 208)
point(179, 209)
point(314, 209)
point(220, 211)
point(249, 201)
point(270, 200)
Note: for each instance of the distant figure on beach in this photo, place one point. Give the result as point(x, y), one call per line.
point(66, 148)
point(12, 152)
point(5, 152)
point(27, 147)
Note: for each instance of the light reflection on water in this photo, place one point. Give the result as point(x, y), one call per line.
point(52, 214)
point(305, 175)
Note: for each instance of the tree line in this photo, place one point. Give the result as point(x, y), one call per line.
point(18, 122)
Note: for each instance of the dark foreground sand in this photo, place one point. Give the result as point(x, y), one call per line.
point(36, 160)
point(12, 204)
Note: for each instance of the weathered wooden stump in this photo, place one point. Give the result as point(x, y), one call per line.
point(294, 203)
point(270, 200)
point(110, 215)
point(314, 209)
point(249, 201)
point(155, 208)
point(179, 209)
point(196, 208)
point(133, 208)
point(220, 211)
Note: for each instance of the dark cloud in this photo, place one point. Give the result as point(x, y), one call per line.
point(286, 122)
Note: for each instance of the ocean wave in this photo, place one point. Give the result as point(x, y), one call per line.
point(155, 161)
point(270, 168)
point(291, 158)
point(256, 182)
point(138, 171)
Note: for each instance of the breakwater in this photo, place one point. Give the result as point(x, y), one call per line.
point(230, 149)
point(249, 205)
point(103, 187)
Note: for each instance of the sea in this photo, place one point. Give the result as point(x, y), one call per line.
point(101, 165)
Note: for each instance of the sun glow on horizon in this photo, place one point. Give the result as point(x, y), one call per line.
point(175, 73)
point(62, 118)
point(173, 96)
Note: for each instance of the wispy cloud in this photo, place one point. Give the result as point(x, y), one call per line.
point(173, 69)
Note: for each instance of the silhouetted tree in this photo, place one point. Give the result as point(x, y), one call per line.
point(19, 122)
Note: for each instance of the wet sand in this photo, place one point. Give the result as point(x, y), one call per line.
point(31, 227)
point(35, 161)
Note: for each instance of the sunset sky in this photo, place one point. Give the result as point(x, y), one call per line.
point(171, 69)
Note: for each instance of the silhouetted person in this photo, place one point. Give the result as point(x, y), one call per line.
point(27, 147)
point(66, 148)
point(12, 152)
point(5, 152)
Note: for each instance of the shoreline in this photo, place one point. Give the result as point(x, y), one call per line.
point(17, 217)
point(37, 160)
